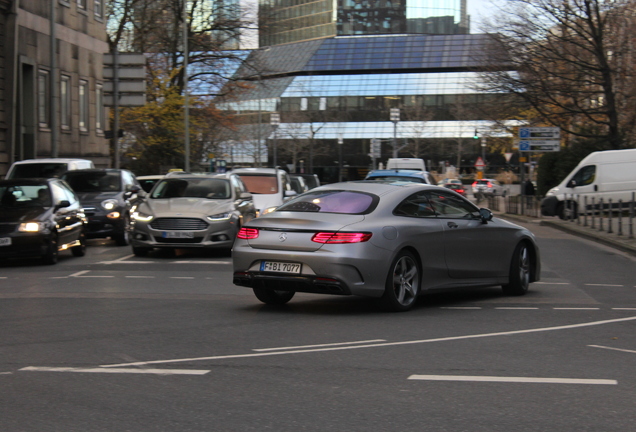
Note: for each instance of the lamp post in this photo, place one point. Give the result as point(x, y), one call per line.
point(395, 118)
point(340, 141)
point(274, 120)
point(186, 103)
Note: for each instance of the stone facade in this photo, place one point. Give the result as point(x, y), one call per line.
point(52, 109)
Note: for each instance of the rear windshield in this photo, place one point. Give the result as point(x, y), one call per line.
point(44, 170)
point(260, 183)
point(192, 188)
point(397, 178)
point(333, 201)
point(96, 181)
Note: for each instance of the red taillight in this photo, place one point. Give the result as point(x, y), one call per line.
point(474, 184)
point(247, 233)
point(332, 237)
point(489, 184)
point(461, 191)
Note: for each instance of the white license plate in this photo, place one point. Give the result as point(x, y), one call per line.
point(177, 234)
point(280, 267)
point(5, 241)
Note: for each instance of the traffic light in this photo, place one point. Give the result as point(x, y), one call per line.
point(476, 136)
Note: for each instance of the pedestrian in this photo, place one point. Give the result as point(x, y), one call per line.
point(528, 191)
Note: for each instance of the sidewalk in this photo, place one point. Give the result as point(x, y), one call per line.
point(599, 234)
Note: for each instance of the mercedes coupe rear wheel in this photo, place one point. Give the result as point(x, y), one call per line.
point(519, 279)
point(50, 257)
point(402, 283)
point(273, 297)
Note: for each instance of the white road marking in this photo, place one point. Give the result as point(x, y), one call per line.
point(320, 345)
point(630, 309)
point(121, 370)
point(551, 283)
point(614, 349)
point(608, 285)
point(141, 277)
point(513, 379)
point(575, 308)
point(79, 273)
point(181, 277)
point(377, 345)
point(460, 307)
point(517, 308)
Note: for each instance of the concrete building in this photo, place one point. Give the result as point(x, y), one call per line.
point(51, 94)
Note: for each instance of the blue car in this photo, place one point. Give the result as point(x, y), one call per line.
point(415, 176)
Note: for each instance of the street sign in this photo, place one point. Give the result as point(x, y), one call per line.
point(375, 148)
point(539, 133)
point(539, 145)
point(479, 163)
point(274, 119)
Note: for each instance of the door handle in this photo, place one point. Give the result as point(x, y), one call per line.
point(452, 224)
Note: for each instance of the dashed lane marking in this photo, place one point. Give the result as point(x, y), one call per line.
point(513, 379)
point(613, 349)
point(120, 371)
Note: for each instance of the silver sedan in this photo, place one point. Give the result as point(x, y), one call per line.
point(391, 241)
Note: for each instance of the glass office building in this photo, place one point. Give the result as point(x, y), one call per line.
point(287, 21)
point(335, 95)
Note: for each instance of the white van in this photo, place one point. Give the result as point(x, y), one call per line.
point(46, 168)
point(406, 163)
point(270, 187)
point(606, 175)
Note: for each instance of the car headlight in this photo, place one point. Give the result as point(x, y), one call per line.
point(141, 216)
point(220, 216)
point(268, 210)
point(552, 191)
point(31, 227)
point(109, 204)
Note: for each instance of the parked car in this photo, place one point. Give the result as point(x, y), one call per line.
point(39, 218)
point(298, 183)
point(311, 180)
point(488, 187)
point(107, 196)
point(459, 188)
point(270, 187)
point(391, 241)
point(191, 211)
point(148, 181)
point(446, 181)
point(45, 168)
point(401, 175)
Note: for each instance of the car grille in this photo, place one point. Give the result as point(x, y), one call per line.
point(179, 240)
point(7, 228)
point(172, 224)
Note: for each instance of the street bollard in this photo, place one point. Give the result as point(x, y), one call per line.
point(593, 213)
point(585, 211)
point(631, 216)
point(577, 210)
point(610, 230)
point(600, 214)
point(620, 217)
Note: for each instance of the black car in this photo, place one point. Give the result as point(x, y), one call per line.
point(39, 218)
point(107, 196)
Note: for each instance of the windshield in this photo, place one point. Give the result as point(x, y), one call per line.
point(44, 170)
point(192, 188)
point(25, 196)
point(94, 181)
point(260, 183)
point(397, 178)
point(333, 201)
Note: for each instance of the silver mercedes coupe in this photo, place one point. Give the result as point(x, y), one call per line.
point(392, 241)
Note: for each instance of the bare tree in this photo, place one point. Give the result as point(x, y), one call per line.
point(573, 63)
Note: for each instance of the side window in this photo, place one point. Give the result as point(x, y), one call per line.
point(62, 192)
point(128, 178)
point(238, 186)
point(451, 207)
point(585, 175)
point(417, 205)
point(286, 183)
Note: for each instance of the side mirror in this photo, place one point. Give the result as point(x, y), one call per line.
point(571, 183)
point(63, 204)
point(245, 196)
point(290, 193)
point(485, 214)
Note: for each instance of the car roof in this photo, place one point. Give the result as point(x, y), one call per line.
point(398, 172)
point(49, 160)
point(182, 174)
point(256, 170)
point(376, 187)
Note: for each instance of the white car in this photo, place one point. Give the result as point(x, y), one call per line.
point(488, 187)
point(270, 187)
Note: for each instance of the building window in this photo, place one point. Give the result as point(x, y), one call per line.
point(65, 102)
point(99, 9)
point(43, 99)
point(81, 4)
point(99, 108)
point(83, 105)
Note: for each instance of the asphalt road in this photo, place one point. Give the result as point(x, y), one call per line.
point(112, 342)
